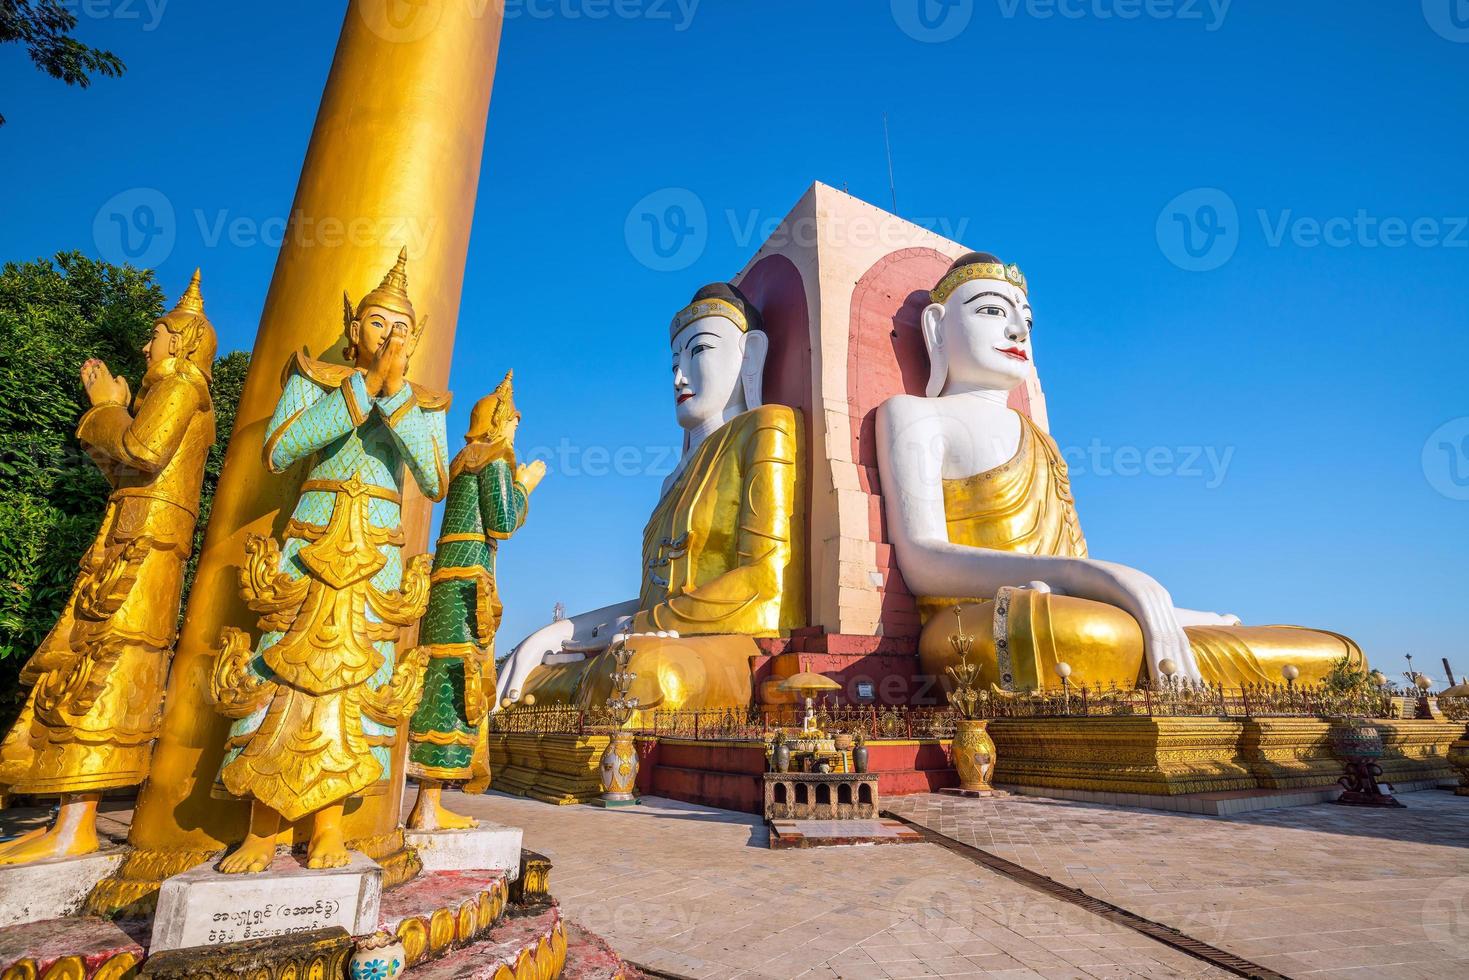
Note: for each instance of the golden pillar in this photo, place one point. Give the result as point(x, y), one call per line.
point(394, 160)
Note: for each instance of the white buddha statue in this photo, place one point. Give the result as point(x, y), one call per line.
point(723, 552)
point(981, 516)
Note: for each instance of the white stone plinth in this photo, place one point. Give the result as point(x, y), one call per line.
point(488, 847)
point(203, 907)
point(52, 888)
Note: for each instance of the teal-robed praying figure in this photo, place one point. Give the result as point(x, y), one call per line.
point(319, 700)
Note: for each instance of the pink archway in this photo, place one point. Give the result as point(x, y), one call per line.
point(776, 288)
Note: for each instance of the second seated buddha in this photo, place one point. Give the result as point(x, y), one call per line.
point(723, 556)
point(980, 509)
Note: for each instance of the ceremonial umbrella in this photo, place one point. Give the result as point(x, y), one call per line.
point(809, 681)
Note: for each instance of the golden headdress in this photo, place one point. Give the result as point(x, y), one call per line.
point(197, 342)
point(491, 413)
point(390, 294)
point(719, 299)
point(977, 265)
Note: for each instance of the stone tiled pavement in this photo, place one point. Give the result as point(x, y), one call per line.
point(1320, 891)
point(1315, 891)
point(694, 891)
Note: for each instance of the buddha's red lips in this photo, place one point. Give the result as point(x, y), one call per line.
point(1014, 352)
point(685, 397)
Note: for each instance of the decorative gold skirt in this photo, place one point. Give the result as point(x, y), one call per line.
point(1024, 640)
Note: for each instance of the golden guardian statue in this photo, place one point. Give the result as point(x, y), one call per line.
point(319, 699)
point(96, 696)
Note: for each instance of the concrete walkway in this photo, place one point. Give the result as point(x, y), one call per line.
point(694, 892)
point(1319, 891)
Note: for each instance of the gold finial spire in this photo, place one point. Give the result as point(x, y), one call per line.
point(192, 301)
point(397, 277)
point(392, 292)
point(493, 411)
point(504, 400)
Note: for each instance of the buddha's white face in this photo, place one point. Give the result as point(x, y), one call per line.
point(707, 357)
point(985, 332)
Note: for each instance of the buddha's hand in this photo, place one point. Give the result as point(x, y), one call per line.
point(1150, 604)
point(530, 475)
point(102, 388)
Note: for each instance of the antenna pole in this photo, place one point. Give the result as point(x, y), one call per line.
point(892, 181)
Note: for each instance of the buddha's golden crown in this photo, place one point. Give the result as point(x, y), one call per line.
point(700, 309)
point(994, 271)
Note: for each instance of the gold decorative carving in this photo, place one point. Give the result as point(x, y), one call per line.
point(316, 955)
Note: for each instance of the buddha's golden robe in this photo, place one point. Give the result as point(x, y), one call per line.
point(723, 561)
point(1020, 636)
point(97, 679)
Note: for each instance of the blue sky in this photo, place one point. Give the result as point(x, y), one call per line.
point(1320, 367)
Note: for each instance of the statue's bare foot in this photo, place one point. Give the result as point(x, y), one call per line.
point(38, 845)
point(29, 835)
point(251, 857)
point(449, 820)
point(327, 849)
point(429, 813)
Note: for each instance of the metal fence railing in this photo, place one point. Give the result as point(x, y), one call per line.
point(902, 722)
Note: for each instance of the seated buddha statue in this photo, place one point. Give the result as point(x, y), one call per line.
point(722, 557)
point(986, 532)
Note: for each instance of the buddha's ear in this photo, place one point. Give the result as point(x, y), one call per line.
point(938, 358)
point(752, 368)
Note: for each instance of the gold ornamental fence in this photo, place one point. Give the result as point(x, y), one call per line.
point(902, 721)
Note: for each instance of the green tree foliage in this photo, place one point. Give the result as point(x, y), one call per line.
point(44, 27)
point(1346, 676)
point(53, 317)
